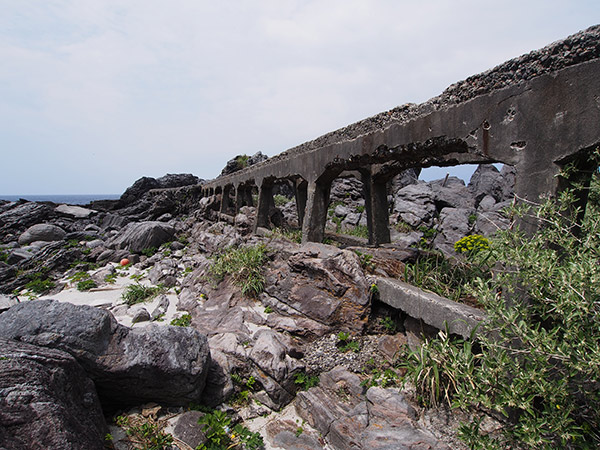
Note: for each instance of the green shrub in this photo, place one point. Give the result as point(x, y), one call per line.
point(86, 285)
point(244, 265)
point(217, 428)
point(471, 245)
point(290, 235)
point(39, 286)
point(304, 381)
point(539, 365)
point(361, 231)
point(242, 161)
point(437, 367)
point(345, 343)
point(145, 435)
point(137, 293)
point(111, 278)
point(280, 200)
point(449, 278)
point(150, 251)
point(183, 321)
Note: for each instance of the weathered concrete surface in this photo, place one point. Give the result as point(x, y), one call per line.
point(533, 112)
point(430, 308)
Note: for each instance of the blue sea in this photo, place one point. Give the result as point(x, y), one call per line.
point(70, 199)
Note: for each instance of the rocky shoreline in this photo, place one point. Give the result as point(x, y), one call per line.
point(76, 352)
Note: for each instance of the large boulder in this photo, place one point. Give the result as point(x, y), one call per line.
point(47, 401)
point(136, 191)
point(137, 237)
point(322, 283)
point(415, 204)
point(42, 232)
point(169, 364)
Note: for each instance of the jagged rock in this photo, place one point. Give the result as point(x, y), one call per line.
point(42, 232)
point(242, 161)
point(344, 188)
point(17, 255)
point(285, 434)
point(348, 419)
point(139, 314)
point(161, 307)
point(454, 224)
point(6, 302)
point(164, 272)
point(270, 353)
point(451, 193)
point(322, 283)
point(168, 363)
point(46, 400)
point(487, 180)
point(21, 215)
point(77, 212)
point(137, 237)
point(110, 221)
point(415, 204)
point(188, 430)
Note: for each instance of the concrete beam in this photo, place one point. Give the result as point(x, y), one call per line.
point(430, 308)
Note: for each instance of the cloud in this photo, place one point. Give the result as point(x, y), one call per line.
point(97, 93)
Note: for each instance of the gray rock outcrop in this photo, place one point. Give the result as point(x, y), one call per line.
point(350, 417)
point(47, 401)
point(169, 364)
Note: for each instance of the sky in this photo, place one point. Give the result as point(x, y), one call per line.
point(95, 94)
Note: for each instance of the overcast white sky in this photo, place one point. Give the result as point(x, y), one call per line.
point(97, 93)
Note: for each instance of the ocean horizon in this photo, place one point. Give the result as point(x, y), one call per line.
point(69, 199)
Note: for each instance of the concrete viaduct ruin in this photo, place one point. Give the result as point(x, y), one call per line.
point(537, 113)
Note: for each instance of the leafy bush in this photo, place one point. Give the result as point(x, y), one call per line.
point(361, 231)
point(345, 343)
point(220, 435)
point(39, 283)
point(437, 366)
point(244, 265)
point(280, 200)
point(539, 365)
point(183, 321)
point(290, 235)
point(86, 285)
point(304, 381)
point(472, 244)
point(137, 293)
point(144, 435)
point(150, 251)
point(449, 278)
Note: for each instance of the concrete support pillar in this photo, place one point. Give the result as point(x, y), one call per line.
point(376, 206)
point(317, 201)
point(301, 192)
point(225, 199)
point(265, 205)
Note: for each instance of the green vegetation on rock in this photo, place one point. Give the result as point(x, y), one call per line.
point(245, 267)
